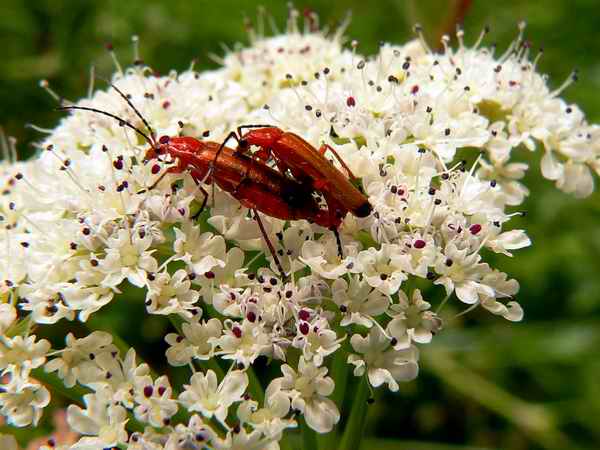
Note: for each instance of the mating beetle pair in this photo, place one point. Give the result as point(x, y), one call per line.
point(287, 192)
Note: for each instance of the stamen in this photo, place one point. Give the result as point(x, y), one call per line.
point(135, 39)
point(7, 153)
point(44, 84)
point(92, 80)
point(573, 77)
point(460, 33)
point(111, 50)
point(12, 147)
point(38, 128)
point(418, 29)
point(292, 22)
point(65, 167)
point(216, 59)
point(445, 40)
point(536, 59)
point(342, 27)
point(483, 33)
point(225, 48)
point(273, 25)
point(193, 63)
point(514, 44)
point(470, 175)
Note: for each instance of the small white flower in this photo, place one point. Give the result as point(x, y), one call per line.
point(322, 257)
point(509, 240)
point(244, 440)
point(231, 274)
point(416, 254)
point(270, 419)
point(101, 419)
point(291, 242)
point(87, 300)
point(153, 400)
point(122, 376)
point(22, 402)
point(128, 256)
point(358, 301)
point(196, 434)
point(13, 260)
point(412, 321)
point(198, 343)
point(8, 315)
point(243, 342)
point(462, 272)
point(504, 288)
point(382, 363)
point(316, 340)
point(46, 302)
point(380, 268)
point(205, 395)
point(19, 355)
point(171, 294)
point(76, 361)
point(201, 252)
point(308, 389)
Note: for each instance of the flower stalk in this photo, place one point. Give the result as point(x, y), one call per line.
point(354, 431)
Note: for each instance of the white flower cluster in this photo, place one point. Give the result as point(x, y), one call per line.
point(79, 222)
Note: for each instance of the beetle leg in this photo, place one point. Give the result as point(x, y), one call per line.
point(336, 214)
point(326, 147)
point(205, 193)
point(270, 245)
point(338, 241)
point(211, 166)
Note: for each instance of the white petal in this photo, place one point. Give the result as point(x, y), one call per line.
point(321, 414)
point(515, 312)
point(233, 386)
point(551, 169)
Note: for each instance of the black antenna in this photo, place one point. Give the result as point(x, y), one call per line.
point(147, 125)
point(121, 121)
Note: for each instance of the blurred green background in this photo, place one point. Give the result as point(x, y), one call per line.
point(485, 383)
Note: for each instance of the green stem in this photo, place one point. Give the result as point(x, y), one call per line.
point(340, 372)
point(255, 388)
point(309, 436)
point(356, 422)
point(285, 443)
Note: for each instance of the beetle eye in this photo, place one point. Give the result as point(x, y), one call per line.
point(164, 139)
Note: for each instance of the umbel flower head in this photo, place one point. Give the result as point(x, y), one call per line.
point(91, 214)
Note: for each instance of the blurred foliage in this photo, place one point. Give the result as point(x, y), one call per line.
point(485, 383)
